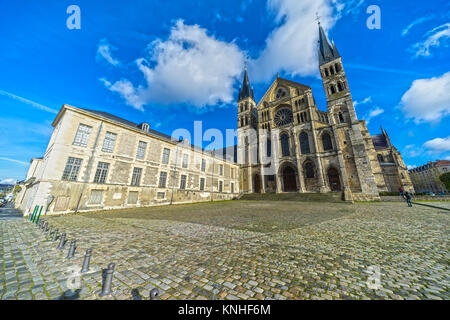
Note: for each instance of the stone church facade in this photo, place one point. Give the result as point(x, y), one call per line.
point(286, 144)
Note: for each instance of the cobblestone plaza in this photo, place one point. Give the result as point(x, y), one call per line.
point(234, 250)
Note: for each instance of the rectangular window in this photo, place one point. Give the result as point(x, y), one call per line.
point(136, 179)
point(185, 160)
point(220, 186)
point(109, 142)
point(203, 165)
point(82, 136)
point(72, 168)
point(183, 182)
point(101, 173)
point(221, 169)
point(133, 197)
point(166, 154)
point(232, 187)
point(161, 195)
point(162, 179)
point(202, 184)
point(96, 197)
point(142, 147)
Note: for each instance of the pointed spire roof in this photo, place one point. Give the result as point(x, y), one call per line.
point(327, 52)
point(386, 136)
point(246, 90)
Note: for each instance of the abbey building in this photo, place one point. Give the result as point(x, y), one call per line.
point(286, 144)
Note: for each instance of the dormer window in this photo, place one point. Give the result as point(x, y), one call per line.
point(144, 127)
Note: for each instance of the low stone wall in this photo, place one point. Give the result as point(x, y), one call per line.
point(418, 198)
point(365, 197)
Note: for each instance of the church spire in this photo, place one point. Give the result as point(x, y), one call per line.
point(327, 52)
point(246, 90)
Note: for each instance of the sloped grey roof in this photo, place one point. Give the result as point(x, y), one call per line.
point(379, 141)
point(218, 154)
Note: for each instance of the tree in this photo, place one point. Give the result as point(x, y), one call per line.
point(445, 178)
point(16, 190)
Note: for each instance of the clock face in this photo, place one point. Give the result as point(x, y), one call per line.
point(283, 117)
point(280, 93)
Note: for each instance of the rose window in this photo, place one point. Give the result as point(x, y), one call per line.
point(283, 117)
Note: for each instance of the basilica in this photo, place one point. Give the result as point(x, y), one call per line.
point(286, 144)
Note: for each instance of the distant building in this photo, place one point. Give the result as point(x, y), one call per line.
point(6, 188)
point(95, 160)
point(426, 178)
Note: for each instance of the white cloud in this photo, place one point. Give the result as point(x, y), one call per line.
point(373, 113)
point(190, 66)
point(8, 181)
point(15, 161)
point(292, 46)
point(411, 167)
point(412, 151)
point(366, 100)
point(104, 50)
point(427, 99)
point(414, 23)
point(435, 38)
point(438, 144)
point(29, 102)
point(194, 67)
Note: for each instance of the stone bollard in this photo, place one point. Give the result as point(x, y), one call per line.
point(62, 241)
point(86, 261)
point(154, 293)
point(72, 248)
point(45, 228)
point(106, 289)
point(55, 235)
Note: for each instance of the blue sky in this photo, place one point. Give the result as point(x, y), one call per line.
point(170, 63)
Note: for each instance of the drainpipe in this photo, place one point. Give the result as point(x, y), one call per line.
point(89, 167)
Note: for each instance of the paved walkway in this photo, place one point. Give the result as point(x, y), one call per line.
point(236, 250)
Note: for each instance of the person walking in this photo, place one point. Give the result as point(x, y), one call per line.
point(401, 191)
point(408, 198)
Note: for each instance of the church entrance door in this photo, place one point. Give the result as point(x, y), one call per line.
point(333, 179)
point(289, 179)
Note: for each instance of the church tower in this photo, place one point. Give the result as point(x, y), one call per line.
point(350, 134)
point(246, 133)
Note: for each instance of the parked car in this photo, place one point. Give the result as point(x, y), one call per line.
point(431, 194)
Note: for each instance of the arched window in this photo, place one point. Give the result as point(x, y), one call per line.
point(332, 89)
point(341, 117)
point(340, 87)
point(285, 145)
point(331, 70)
point(326, 142)
point(380, 158)
point(327, 73)
point(308, 170)
point(337, 67)
point(269, 148)
point(304, 143)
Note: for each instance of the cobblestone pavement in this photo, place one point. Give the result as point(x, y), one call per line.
point(236, 250)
